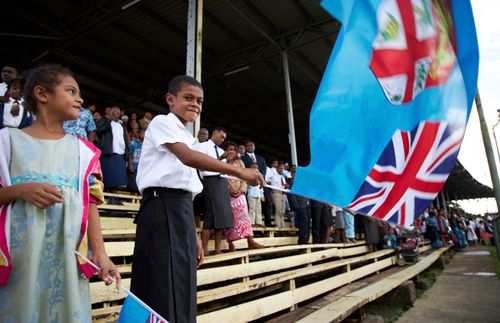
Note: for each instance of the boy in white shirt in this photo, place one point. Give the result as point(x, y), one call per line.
point(167, 250)
point(255, 195)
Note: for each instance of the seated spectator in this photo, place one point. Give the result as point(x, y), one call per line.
point(12, 113)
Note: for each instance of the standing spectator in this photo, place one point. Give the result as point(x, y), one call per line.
point(199, 200)
point(432, 229)
point(12, 113)
point(97, 116)
point(92, 108)
point(278, 180)
point(241, 150)
point(255, 196)
point(349, 226)
point(146, 119)
point(113, 142)
point(218, 215)
point(202, 135)
point(132, 122)
point(242, 226)
point(135, 150)
point(471, 232)
point(300, 207)
point(251, 157)
point(371, 233)
point(321, 220)
point(337, 213)
point(9, 72)
point(83, 127)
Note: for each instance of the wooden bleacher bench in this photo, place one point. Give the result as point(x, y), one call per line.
point(130, 203)
point(345, 306)
point(245, 277)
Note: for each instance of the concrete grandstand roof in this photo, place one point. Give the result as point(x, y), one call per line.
point(126, 55)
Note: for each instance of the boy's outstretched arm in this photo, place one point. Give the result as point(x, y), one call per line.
point(195, 159)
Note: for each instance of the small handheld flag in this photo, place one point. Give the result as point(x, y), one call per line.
point(392, 107)
point(133, 310)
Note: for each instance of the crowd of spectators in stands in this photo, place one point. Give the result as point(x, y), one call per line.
point(234, 210)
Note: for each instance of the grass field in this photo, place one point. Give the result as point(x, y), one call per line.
point(493, 253)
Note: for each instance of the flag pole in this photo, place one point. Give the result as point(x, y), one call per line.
point(276, 188)
point(125, 289)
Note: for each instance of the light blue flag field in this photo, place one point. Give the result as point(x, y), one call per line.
point(134, 312)
point(391, 110)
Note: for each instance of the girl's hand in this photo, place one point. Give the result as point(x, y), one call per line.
point(108, 269)
point(200, 257)
point(42, 195)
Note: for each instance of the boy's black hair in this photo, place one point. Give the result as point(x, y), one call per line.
point(219, 129)
point(48, 76)
point(179, 81)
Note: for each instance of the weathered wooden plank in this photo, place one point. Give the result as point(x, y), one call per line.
point(132, 207)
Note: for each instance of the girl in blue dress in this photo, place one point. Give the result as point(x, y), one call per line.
point(49, 191)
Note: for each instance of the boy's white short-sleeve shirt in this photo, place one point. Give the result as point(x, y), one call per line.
point(158, 166)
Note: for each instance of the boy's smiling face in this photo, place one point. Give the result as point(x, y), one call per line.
point(187, 104)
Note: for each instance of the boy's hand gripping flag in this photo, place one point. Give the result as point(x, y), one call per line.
point(391, 110)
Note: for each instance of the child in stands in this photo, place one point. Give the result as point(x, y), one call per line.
point(48, 207)
point(167, 250)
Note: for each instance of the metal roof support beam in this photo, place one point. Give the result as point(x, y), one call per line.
point(289, 106)
point(194, 47)
point(489, 150)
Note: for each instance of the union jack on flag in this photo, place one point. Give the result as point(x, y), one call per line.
point(155, 319)
point(410, 173)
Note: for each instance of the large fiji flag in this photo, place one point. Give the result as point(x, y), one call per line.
point(391, 110)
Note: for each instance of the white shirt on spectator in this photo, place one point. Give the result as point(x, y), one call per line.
point(8, 119)
point(118, 140)
point(208, 148)
point(277, 180)
point(3, 88)
point(158, 166)
point(269, 172)
point(287, 174)
point(254, 192)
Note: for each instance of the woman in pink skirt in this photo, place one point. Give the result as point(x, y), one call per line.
point(242, 225)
